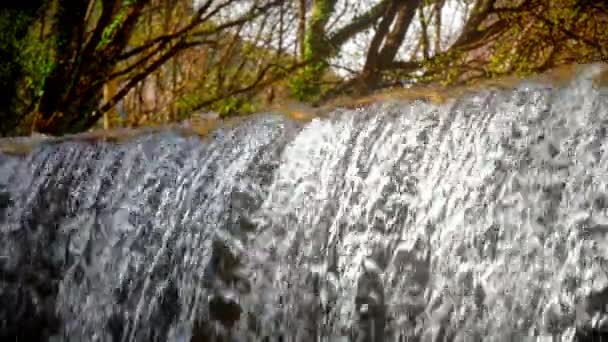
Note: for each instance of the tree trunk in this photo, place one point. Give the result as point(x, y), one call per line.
point(301, 29)
point(424, 33)
point(109, 90)
point(318, 47)
point(75, 86)
point(380, 56)
point(437, 13)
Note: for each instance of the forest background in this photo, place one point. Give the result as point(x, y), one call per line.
point(68, 66)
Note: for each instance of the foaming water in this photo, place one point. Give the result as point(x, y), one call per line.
point(480, 219)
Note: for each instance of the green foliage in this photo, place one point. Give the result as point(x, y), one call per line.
point(314, 40)
point(11, 23)
point(443, 68)
point(226, 107)
point(111, 29)
point(26, 59)
point(305, 86)
point(233, 106)
point(37, 61)
point(531, 44)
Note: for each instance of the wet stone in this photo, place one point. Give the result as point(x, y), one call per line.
point(25, 316)
point(5, 199)
point(224, 310)
point(115, 326)
point(371, 309)
point(224, 263)
point(594, 327)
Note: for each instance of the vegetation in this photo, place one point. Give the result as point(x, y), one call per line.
point(69, 65)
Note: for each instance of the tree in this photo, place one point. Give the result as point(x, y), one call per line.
point(387, 40)
point(67, 63)
point(15, 22)
point(497, 38)
point(92, 47)
point(319, 45)
point(230, 76)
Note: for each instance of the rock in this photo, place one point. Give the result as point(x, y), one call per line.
point(5, 199)
point(225, 310)
point(224, 262)
point(227, 267)
point(115, 326)
point(589, 334)
point(597, 302)
point(25, 316)
point(202, 332)
point(224, 313)
point(593, 317)
point(369, 303)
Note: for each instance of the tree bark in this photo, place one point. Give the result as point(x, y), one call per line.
point(315, 42)
point(437, 11)
point(424, 34)
point(359, 24)
point(301, 29)
point(400, 16)
point(109, 90)
point(75, 87)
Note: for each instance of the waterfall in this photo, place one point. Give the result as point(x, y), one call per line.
point(482, 218)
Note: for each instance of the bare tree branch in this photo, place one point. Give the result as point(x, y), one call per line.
point(358, 24)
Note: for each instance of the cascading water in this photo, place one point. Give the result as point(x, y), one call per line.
point(480, 219)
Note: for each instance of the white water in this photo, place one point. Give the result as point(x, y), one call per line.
point(481, 219)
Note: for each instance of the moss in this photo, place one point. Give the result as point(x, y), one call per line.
point(25, 61)
point(306, 85)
